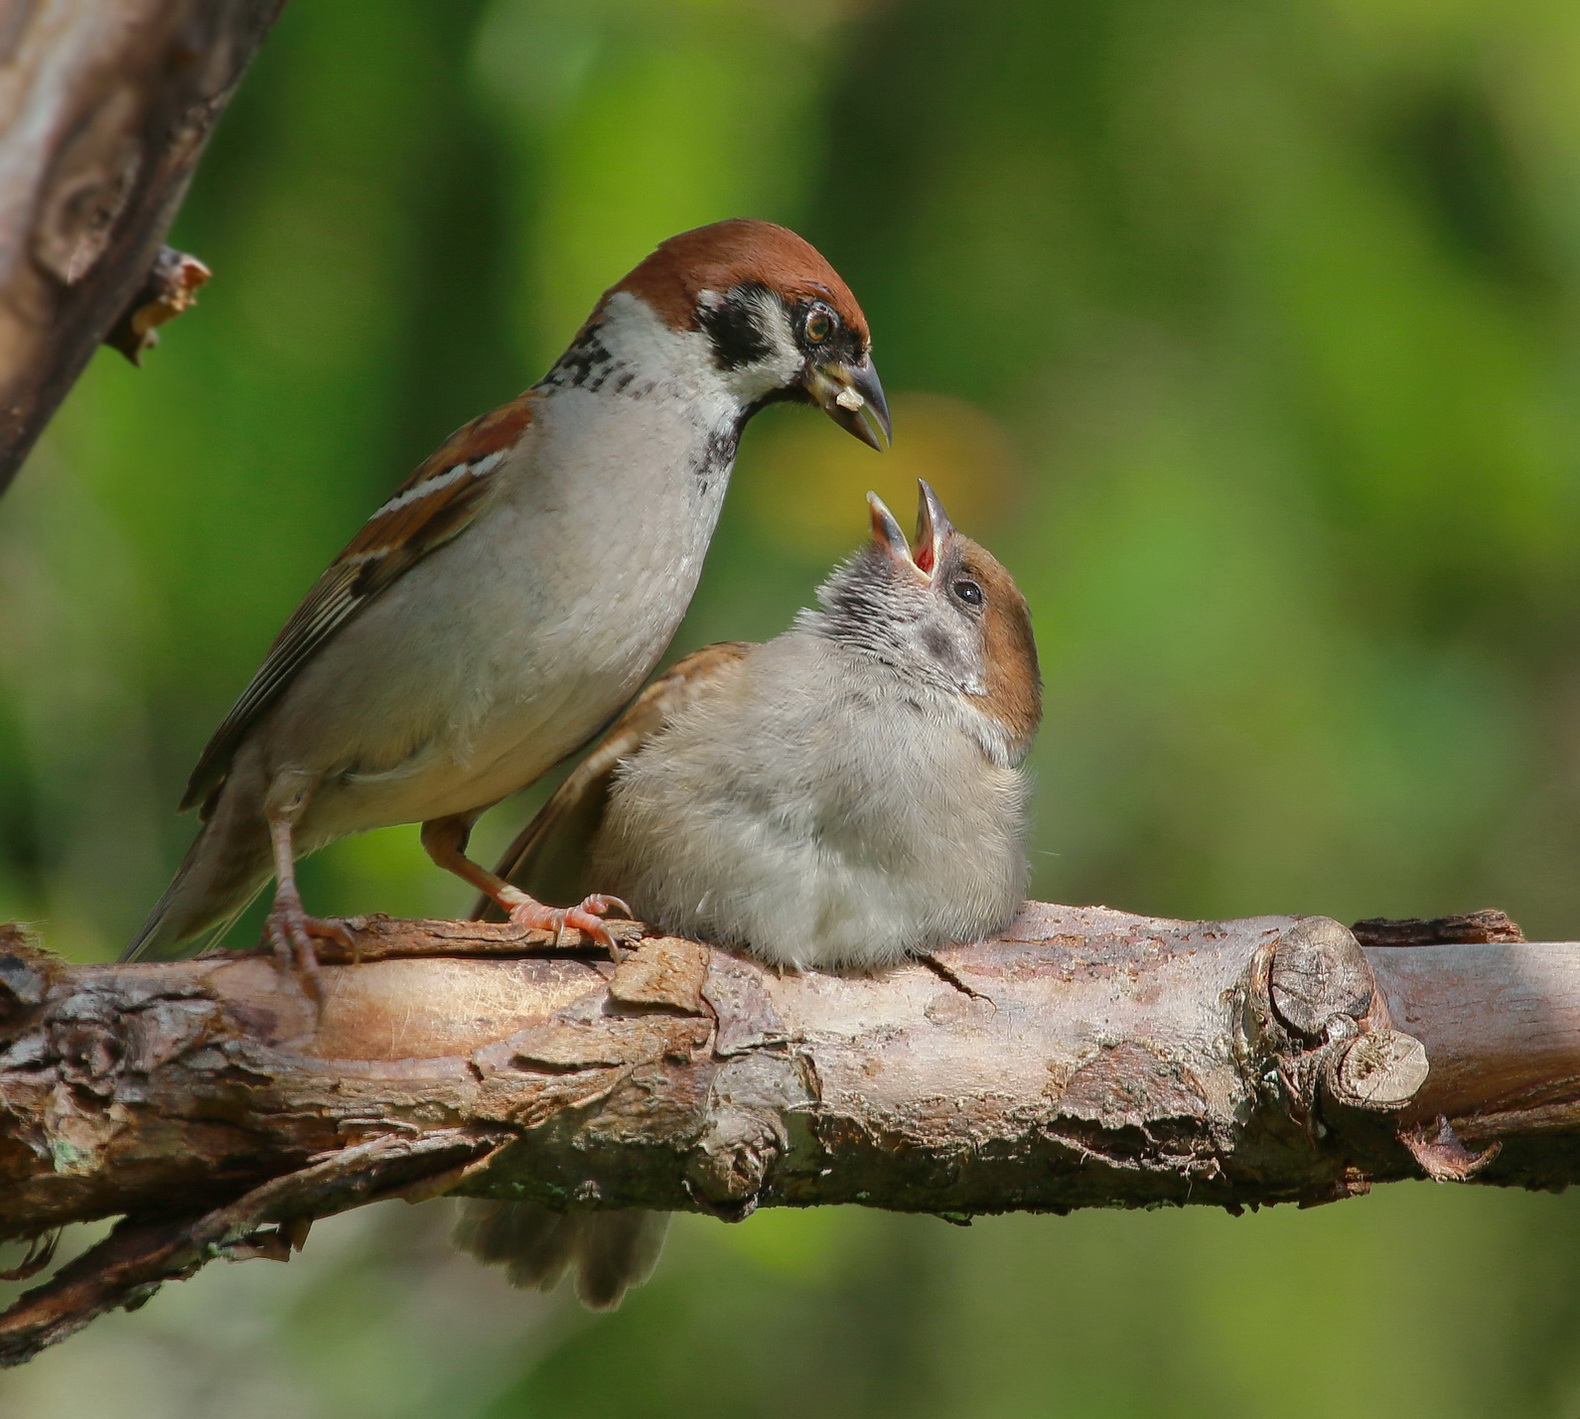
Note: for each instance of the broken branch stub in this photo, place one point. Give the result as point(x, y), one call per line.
point(1328, 1024)
point(105, 108)
point(1319, 974)
point(170, 290)
point(1086, 1058)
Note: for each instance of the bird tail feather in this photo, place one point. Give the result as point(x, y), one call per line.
point(225, 868)
point(607, 1252)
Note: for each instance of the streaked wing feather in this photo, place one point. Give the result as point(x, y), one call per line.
point(549, 855)
point(431, 507)
point(328, 605)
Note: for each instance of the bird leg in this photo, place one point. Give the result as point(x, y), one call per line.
point(444, 840)
point(289, 928)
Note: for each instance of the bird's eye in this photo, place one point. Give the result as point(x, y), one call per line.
point(819, 325)
point(967, 591)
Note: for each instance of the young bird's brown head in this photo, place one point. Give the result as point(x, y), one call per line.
point(779, 321)
point(945, 614)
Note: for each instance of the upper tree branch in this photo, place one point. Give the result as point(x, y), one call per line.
point(1088, 1058)
point(105, 106)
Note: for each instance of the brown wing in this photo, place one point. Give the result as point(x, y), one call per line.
point(549, 856)
point(436, 503)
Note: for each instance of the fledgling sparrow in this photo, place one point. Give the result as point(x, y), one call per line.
point(515, 591)
point(843, 796)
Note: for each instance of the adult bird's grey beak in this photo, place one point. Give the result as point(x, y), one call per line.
point(852, 397)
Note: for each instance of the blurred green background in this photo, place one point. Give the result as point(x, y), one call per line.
point(1245, 333)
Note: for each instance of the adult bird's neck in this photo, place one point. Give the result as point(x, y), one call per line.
point(627, 349)
point(654, 398)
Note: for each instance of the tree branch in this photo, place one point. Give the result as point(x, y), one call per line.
point(105, 107)
point(1088, 1058)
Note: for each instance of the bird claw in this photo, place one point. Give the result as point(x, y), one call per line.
point(583, 917)
point(291, 931)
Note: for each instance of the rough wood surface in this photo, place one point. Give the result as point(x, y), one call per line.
point(105, 106)
point(1087, 1058)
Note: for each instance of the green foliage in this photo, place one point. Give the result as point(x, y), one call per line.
point(1244, 334)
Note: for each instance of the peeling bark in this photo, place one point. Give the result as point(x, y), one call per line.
point(1087, 1058)
point(105, 107)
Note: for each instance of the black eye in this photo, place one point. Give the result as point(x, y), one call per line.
point(967, 591)
point(820, 324)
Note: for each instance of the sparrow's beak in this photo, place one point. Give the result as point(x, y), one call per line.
point(889, 535)
point(852, 397)
point(932, 528)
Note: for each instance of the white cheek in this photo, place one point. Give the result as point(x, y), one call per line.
point(786, 353)
point(783, 364)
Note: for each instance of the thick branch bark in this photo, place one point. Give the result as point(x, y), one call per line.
point(105, 106)
point(1089, 1058)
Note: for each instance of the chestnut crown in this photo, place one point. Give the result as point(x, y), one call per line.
point(780, 321)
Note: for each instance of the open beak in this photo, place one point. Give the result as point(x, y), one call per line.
point(852, 397)
point(889, 535)
point(932, 528)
